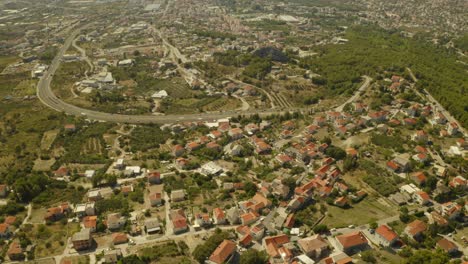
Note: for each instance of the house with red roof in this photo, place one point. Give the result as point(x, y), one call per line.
point(319, 121)
point(179, 221)
point(5, 230)
point(223, 253)
point(447, 246)
point(419, 178)
point(154, 177)
point(61, 172)
point(235, 133)
point(215, 134)
point(276, 250)
point(452, 128)
point(352, 243)
point(178, 150)
point(246, 240)
point(387, 237)
point(57, 213)
point(341, 201)
point(90, 222)
point(415, 229)
point(422, 198)
point(283, 159)
point(219, 217)
point(119, 238)
point(249, 218)
point(450, 210)
point(458, 181)
point(192, 146)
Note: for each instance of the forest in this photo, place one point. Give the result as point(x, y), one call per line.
point(373, 51)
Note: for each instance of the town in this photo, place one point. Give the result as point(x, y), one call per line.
point(229, 132)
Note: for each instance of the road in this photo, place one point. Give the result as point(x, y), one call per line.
point(357, 94)
point(48, 98)
point(427, 96)
point(84, 56)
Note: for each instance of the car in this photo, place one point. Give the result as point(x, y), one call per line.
point(351, 226)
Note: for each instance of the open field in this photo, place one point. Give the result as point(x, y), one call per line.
point(42, 261)
point(48, 138)
point(92, 146)
point(77, 259)
point(50, 239)
point(43, 165)
point(4, 61)
point(222, 104)
point(364, 212)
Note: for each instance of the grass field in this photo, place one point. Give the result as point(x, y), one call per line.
point(51, 239)
point(26, 87)
point(48, 138)
point(43, 165)
point(222, 104)
point(92, 146)
point(42, 261)
point(77, 259)
point(4, 61)
point(364, 212)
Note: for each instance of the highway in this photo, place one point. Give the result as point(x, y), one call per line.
point(48, 98)
point(356, 95)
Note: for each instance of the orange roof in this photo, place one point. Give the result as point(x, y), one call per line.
point(90, 221)
point(385, 232)
point(274, 243)
point(218, 213)
point(14, 248)
point(4, 228)
point(246, 240)
point(119, 238)
point(416, 227)
point(10, 220)
point(423, 195)
point(248, 217)
point(223, 251)
point(447, 245)
point(419, 177)
point(179, 222)
point(260, 199)
point(351, 239)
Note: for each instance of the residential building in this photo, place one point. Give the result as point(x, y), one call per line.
point(315, 246)
point(156, 199)
point(82, 240)
point(152, 226)
point(387, 237)
point(219, 217)
point(223, 253)
point(115, 221)
point(352, 243)
point(415, 229)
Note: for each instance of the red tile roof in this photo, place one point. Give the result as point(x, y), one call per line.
point(223, 251)
point(351, 239)
point(386, 232)
point(416, 227)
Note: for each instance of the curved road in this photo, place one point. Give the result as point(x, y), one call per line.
point(47, 97)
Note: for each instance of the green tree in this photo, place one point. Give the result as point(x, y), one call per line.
point(252, 256)
point(429, 256)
